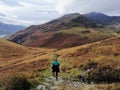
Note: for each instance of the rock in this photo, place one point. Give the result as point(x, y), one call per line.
point(48, 80)
point(54, 88)
point(60, 80)
point(41, 87)
point(47, 84)
point(52, 80)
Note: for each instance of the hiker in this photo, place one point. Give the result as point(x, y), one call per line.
point(55, 68)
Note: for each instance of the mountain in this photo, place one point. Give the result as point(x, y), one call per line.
point(6, 29)
point(67, 31)
point(103, 19)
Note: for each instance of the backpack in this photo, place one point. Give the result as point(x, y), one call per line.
point(55, 63)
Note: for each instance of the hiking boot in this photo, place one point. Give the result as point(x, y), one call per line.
point(56, 78)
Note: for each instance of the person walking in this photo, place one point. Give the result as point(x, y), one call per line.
point(55, 68)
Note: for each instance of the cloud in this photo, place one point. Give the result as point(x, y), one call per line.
point(28, 12)
point(85, 6)
point(1, 14)
point(63, 6)
point(46, 12)
point(11, 2)
point(11, 19)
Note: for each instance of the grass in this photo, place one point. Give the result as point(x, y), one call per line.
point(113, 86)
point(93, 34)
point(104, 52)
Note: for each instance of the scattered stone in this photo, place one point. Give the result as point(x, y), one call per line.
point(47, 84)
point(54, 88)
point(59, 81)
point(41, 87)
point(48, 80)
point(52, 80)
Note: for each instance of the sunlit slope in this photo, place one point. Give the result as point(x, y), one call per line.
point(106, 52)
point(9, 49)
point(18, 58)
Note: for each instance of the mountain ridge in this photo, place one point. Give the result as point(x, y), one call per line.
point(6, 29)
point(103, 19)
point(67, 31)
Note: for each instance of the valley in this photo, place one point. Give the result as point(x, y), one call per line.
point(80, 43)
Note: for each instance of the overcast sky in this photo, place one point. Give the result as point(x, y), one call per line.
point(28, 12)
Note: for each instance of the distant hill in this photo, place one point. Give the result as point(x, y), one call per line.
point(103, 19)
point(67, 31)
point(6, 29)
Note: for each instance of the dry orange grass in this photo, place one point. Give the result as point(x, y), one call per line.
point(18, 58)
point(106, 52)
point(38, 59)
point(113, 86)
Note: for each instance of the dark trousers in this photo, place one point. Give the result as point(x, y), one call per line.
point(55, 74)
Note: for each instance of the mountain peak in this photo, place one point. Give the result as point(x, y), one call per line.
point(100, 18)
point(71, 20)
point(64, 22)
point(72, 15)
point(93, 14)
point(67, 17)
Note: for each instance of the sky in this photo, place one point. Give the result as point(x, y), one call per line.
point(33, 12)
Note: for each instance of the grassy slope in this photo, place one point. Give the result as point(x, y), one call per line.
point(14, 57)
point(35, 62)
point(103, 52)
point(32, 60)
point(10, 51)
point(76, 36)
point(70, 59)
point(95, 33)
point(65, 38)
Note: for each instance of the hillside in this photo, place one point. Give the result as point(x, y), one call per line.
point(104, 52)
point(14, 57)
point(10, 51)
point(35, 63)
point(67, 31)
point(6, 29)
point(10, 47)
